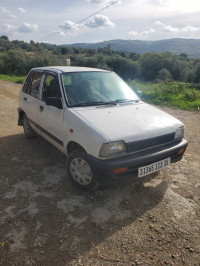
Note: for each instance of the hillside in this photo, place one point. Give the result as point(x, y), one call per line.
point(176, 46)
point(18, 57)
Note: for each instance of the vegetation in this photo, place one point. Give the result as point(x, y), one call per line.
point(176, 78)
point(177, 94)
point(18, 57)
point(16, 79)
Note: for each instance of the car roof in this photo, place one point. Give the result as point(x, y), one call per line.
point(69, 69)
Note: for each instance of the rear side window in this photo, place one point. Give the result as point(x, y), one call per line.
point(32, 83)
point(26, 87)
point(35, 84)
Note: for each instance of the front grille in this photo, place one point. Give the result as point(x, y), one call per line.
point(149, 143)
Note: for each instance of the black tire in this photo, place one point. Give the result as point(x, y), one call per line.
point(28, 131)
point(80, 171)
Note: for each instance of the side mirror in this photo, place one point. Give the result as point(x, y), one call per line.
point(54, 101)
point(139, 93)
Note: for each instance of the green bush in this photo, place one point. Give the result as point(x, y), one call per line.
point(174, 94)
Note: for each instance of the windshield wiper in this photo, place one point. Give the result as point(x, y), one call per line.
point(126, 100)
point(93, 104)
point(115, 102)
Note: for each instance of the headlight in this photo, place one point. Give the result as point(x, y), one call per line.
point(179, 134)
point(112, 149)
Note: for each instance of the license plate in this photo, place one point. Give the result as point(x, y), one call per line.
point(152, 168)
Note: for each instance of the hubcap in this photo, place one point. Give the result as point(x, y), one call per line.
point(81, 171)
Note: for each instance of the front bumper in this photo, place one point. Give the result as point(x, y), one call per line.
point(103, 169)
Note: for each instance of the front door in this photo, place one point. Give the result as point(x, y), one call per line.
point(50, 117)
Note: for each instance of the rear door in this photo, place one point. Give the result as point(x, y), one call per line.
point(29, 97)
point(51, 118)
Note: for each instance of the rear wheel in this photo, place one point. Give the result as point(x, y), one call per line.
point(80, 171)
point(28, 131)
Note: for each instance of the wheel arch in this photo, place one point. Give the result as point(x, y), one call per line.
point(72, 146)
point(20, 117)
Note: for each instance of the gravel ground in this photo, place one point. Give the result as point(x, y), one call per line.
point(44, 220)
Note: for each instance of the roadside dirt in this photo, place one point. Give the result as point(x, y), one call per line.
point(44, 220)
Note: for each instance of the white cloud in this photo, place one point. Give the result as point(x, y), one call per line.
point(8, 27)
point(154, 2)
point(69, 27)
point(68, 24)
point(158, 23)
point(132, 19)
point(96, 1)
point(4, 10)
point(100, 1)
point(6, 13)
point(12, 16)
point(21, 10)
point(142, 34)
point(169, 28)
point(99, 21)
point(62, 33)
point(26, 28)
point(55, 32)
point(105, 3)
point(190, 28)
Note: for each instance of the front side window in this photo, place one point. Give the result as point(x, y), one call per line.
point(50, 87)
point(91, 88)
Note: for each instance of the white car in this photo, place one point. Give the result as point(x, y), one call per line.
point(99, 123)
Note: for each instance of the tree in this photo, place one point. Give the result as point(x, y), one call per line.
point(14, 62)
point(134, 56)
point(4, 37)
point(164, 74)
point(183, 56)
point(197, 73)
point(150, 64)
point(191, 76)
point(64, 50)
point(125, 67)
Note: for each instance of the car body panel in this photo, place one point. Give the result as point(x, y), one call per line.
point(51, 122)
point(130, 122)
point(30, 104)
point(79, 130)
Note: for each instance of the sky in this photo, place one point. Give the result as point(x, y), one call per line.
point(56, 21)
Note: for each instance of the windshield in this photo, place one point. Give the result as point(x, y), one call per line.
point(95, 88)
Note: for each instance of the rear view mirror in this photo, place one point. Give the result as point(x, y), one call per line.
point(139, 93)
point(54, 101)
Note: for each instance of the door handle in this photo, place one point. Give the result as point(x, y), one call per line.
point(41, 108)
point(25, 99)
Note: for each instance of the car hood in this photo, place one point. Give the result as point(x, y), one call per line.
point(129, 122)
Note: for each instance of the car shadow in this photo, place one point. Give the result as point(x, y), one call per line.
point(61, 222)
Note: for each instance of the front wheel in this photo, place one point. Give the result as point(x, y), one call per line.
point(80, 171)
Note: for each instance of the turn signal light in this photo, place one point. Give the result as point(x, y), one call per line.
point(180, 151)
point(120, 170)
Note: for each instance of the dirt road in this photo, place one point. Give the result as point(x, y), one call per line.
point(44, 220)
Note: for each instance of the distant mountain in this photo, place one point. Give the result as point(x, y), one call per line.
point(176, 46)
